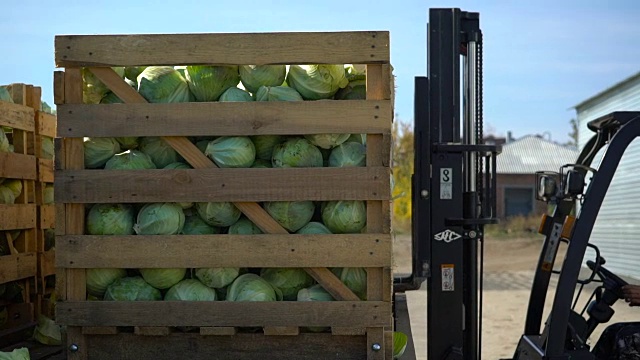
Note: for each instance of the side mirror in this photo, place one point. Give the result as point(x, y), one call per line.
point(546, 185)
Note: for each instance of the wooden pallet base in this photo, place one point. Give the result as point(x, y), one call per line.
point(38, 351)
point(238, 347)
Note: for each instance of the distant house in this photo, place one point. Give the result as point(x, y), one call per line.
point(617, 226)
point(516, 167)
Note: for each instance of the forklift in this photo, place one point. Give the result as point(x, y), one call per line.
point(454, 197)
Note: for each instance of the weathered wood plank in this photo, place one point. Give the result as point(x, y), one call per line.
point(226, 118)
point(18, 267)
point(17, 216)
point(17, 166)
point(47, 216)
point(46, 124)
point(348, 331)
point(17, 116)
point(47, 263)
point(152, 330)
point(252, 210)
point(58, 87)
point(375, 336)
point(281, 331)
point(201, 251)
point(99, 330)
point(45, 170)
point(362, 47)
point(218, 331)
point(223, 313)
point(238, 347)
point(211, 185)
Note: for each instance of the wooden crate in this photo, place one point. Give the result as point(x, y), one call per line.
point(102, 329)
point(21, 265)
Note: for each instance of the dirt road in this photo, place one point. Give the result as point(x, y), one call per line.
point(509, 268)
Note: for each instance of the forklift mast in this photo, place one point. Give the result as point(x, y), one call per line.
point(454, 183)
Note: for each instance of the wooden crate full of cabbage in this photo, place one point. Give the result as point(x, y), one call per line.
point(225, 195)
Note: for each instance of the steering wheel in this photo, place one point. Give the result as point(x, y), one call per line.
point(611, 281)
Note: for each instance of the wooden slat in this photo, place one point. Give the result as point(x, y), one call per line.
point(223, 313)
point(388, 342)
point(17, 116)
point(225, 118)
point(19, 316)
point(99, 330)
point(363, 47)
point(218, 331)
point(348, 331)
point(17, 267)
point(46, 124)
point(58, 87)
point(47, 263)
point(239, 347)
point(45, 170)
point(47, 216)
point(17, 166)
point(201, 251)
point(252, 210)
point(212, 185)
point(18, 216)
point(281, 331)
point(75, 279)
point(151, 330)
point(375, 336)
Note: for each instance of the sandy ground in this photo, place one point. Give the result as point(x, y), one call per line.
point(508, 275)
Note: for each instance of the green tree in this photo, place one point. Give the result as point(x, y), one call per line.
point(403, 155)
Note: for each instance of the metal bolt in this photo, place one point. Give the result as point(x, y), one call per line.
point(73, 348)
point(424, 194)
point(473, 234)
point(376, 347)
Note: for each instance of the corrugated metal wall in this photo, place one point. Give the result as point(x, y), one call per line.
point(617, 229)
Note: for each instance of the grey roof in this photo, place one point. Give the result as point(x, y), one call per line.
point(532, 153)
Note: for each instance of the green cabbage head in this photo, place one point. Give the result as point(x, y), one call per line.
point(161, 153)
point(264, 145)
point(217, 277)
point(316, 82)
point(98, 280)
point(327, 141)
point(354, 278)
point(190, 290)
point(219, 214)
point(251, 287)
point(160, 219)
point(288, 280)
point(297, 152)
point(163, 84)
point(163, 278)
point(207, 83)
point(131, 289)
point(194, 225)
point(348, 154)
point(97, 151)
point(235, 94)
point(130, 160)
point(255, 76)
point(111, 219)
point(314, 228)
point(292, 215)
point(277, 93)
point(344, 216)
point(232, 151)
point(244, 226)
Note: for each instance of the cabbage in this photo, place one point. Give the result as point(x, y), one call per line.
point(160, 219)
point(314, 228)
point(6, 195)
point(355, 90)
point(355, 72)
point(111, 98)
point(128, 143)
point(16, 354)
point(132, 72)
point(4, 142)
point(110, 219)
point(48, 194)
point(315, 82)
point(190, 290)
point(97, 151)
point(235, 94)
point(400, 341)
point(358, 138)
point(244, 226)
point(354, 278)
point(277, 93)
point(260, 163)
point(48, 148)
point(264, 145)
point(217, 277)
point(163, 84)
point(202, 145)
point(207, 83)
point(132, 289)
point(47, 332)
point(315, 293)
point(130, 160)
point(163, 278)
point(194, 225)
point(49, 239)
point(98, 280)
point(297, 152)
point(161, 153)
point(348, 155)
point(344, 216)
point(232, 151)
point(93, 90)
point(4, 95)
point(218, 213)
point(288, 280)
point(327, 141)
point(255, 76)
point(251, 287)
point(292, 215)
point(15, 186)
